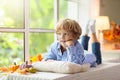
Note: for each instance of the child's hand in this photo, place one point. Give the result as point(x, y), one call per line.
point(69, 42)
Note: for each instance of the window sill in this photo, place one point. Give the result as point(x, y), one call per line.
point(108, 55)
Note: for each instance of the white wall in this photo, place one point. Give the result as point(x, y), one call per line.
point(110, 8)
point(89, 9)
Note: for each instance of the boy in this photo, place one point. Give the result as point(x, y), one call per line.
point(68, 48)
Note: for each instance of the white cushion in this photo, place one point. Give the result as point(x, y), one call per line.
point(60, 67)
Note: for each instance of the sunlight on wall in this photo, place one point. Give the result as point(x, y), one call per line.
point(89, 9)
point(95, 9)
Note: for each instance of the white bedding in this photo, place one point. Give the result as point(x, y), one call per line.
point(107, 71)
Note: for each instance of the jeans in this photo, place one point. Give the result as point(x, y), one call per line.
point(95, 48)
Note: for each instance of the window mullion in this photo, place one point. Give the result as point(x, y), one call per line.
point(56, 10)
point(26, 33)
point(56, 13)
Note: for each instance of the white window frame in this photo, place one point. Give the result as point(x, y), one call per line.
point(26, 30)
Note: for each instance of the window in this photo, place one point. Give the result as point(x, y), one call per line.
point(69, 9)
point(27, 26)
point(11, 31)
point(11, 14)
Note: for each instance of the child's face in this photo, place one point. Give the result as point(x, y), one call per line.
point(64, 36)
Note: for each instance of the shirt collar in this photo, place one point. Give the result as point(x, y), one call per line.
point(59, 49)
point(58, 46)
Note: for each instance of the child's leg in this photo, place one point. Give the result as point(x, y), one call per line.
point(84, 41)
point(96, 48)
point(97, 52)
point(85, 38)
point(95, 43)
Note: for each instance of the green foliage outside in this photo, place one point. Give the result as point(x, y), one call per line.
point(11, 48)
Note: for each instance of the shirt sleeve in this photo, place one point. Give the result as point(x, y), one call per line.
point(90, 58)
point(51, 54)
point(75, 54)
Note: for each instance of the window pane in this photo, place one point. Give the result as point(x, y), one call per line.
point(11, 48)
point(68, 9)
point(40, 42)
point(42, 14)
point(11, 13)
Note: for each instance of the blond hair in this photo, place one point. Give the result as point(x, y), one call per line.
point(69, 25)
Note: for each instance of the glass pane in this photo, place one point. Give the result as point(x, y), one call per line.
point(68, 9)
point(40, 42)
point(11, 48)
point(11, 13)
point(42, 14)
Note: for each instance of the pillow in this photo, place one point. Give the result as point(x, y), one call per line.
point(60, 67)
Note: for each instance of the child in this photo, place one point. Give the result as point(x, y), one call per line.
point(68, 48)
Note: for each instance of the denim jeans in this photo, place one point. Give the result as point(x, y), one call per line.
point(95, 48)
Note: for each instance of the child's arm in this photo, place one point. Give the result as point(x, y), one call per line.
point(51, 54)
point(75, 53)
